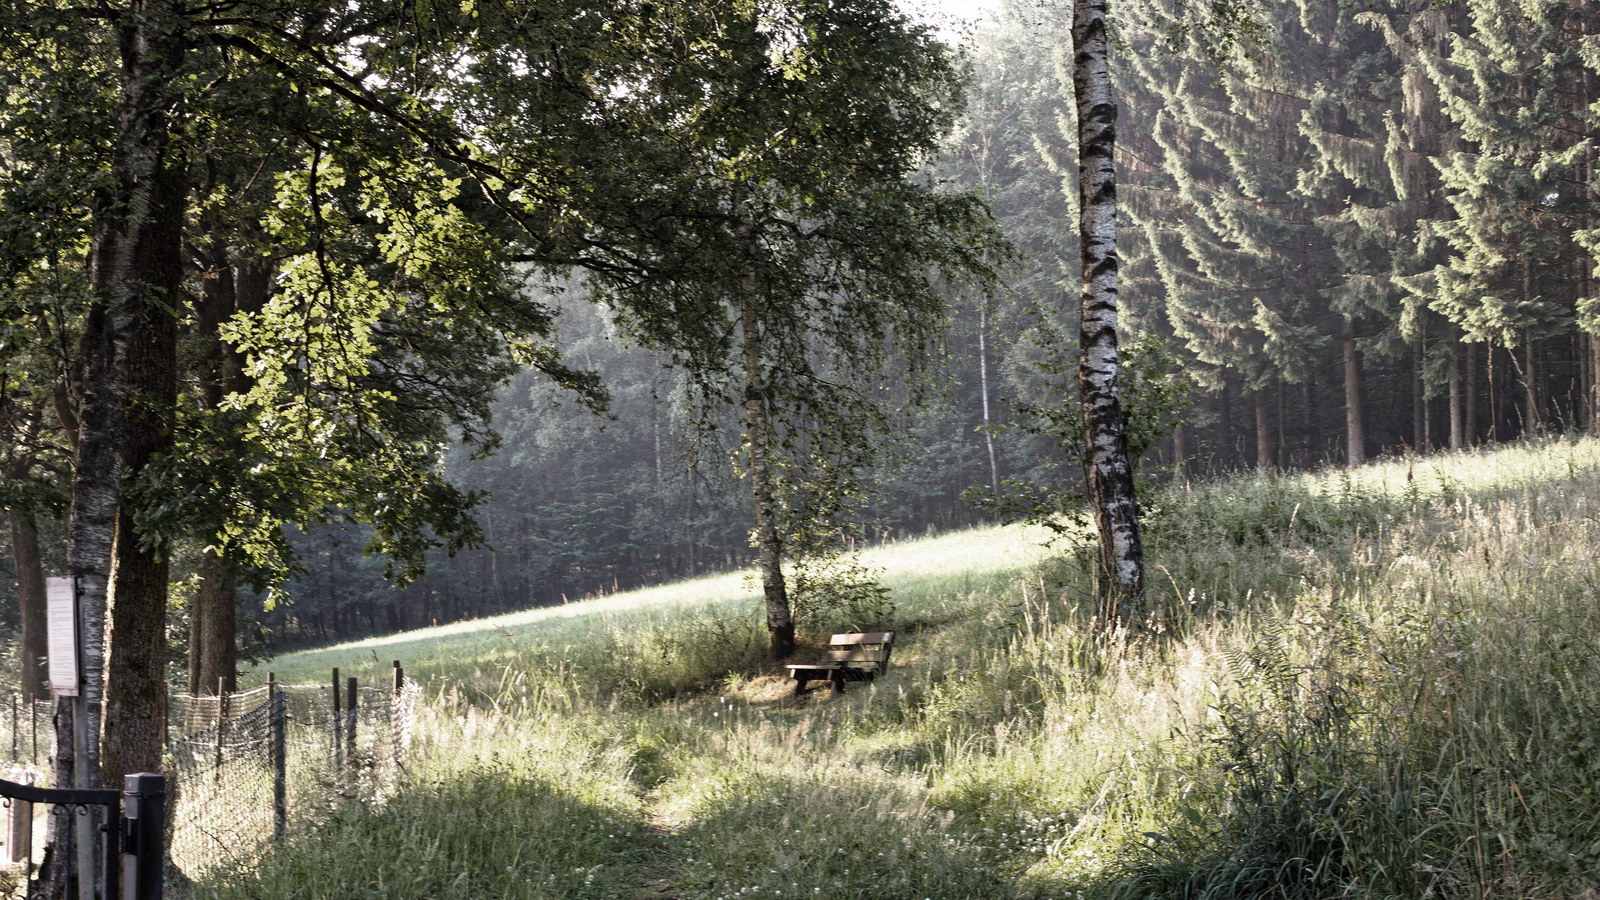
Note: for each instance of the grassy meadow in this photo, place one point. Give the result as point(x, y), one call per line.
point(1380, 683)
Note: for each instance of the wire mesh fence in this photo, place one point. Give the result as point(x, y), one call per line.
point(244, 767)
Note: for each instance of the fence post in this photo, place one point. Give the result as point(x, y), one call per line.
point(352, 699)
point(399, 678)
point(338, 745)
point(19, 828)
point(222, 720)
point(277, 714)
point(144, 803)
point(14, 729)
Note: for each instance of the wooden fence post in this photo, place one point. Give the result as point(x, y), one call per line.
point(334, 729)
point(352, 701)
point(222, 720)
point(277, 715)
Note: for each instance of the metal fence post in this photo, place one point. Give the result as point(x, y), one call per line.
point(144, 802)
point(277, 714)
point(352, 700)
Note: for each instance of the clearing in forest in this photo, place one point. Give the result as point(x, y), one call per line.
point(1369, 683)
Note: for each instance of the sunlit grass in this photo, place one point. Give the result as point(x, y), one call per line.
point(1383, 683)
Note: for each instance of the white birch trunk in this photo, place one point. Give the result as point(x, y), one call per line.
point(757, 430)
point(983, 393)
point(1110, 473)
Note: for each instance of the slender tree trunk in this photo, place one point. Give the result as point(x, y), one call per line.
point(1180, 454)
point(1282, 443)
point(1419, 398)
point(1263, 431)
point(1355, 429)
point(1594, 383)
point(1496, 393)
point(1111, 490)
point(757, 429)
point(1458, 431)
point(1470, 413)
point(1225, 424)
point(1308, 413)
point(1533, 419)
point(983, 394)
point(29, 564)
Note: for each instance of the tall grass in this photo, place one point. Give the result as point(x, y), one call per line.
point(1383, 683)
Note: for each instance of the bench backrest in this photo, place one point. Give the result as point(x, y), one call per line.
point(862, 649)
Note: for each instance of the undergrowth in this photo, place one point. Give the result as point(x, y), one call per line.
point(1380, 683)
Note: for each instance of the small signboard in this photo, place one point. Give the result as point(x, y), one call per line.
point(61, 622)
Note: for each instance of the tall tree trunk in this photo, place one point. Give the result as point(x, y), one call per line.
point(1470, 414)
point(136, 684)
point(1355, 429)
point(1594, 383)
point(132, 272)
point(1225, 425)
point(1263, 431)
point(213, 654)
point(1310, 424)
point(213, 626)
point(1533, 419)
point(757, 430)
point(1111, 490)
point(1458, 430)
point(1282, 444)
point(29, 563)
point(983, 394)
point(1180, 454)
point(1419, 398)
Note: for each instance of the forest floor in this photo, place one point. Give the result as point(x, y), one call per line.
point(1378, 683)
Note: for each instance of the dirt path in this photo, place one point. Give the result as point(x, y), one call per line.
point(658, 879)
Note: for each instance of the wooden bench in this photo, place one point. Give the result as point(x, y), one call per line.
point(857, 656)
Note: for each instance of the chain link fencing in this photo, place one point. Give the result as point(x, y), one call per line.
point(244, 767)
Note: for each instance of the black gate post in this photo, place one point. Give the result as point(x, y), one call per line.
point(144, 801)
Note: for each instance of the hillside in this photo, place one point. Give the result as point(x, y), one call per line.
point(1376, 683)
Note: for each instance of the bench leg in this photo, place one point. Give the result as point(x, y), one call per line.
point(800, 686)
point(837, 677)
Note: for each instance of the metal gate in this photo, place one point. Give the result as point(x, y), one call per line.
point(131, 823)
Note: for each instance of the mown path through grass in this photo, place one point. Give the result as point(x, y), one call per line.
point(657, 871)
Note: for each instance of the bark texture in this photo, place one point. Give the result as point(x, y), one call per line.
point(133, 274)
point(1264, 452)
point(31, 598)
point(213, 623)
point(758, 433)
point(1355, 428)
point(1110, 473)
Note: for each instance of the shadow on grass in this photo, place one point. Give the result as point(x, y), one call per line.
point(489, 833)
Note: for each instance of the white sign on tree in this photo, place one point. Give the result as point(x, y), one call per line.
point(61, 618)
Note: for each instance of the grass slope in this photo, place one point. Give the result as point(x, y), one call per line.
point(1370, 684)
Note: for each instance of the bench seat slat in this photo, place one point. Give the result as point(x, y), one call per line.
point(865, 637)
